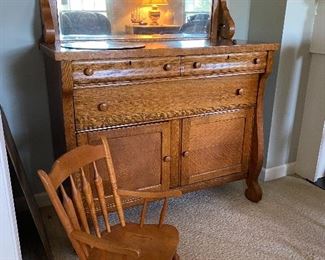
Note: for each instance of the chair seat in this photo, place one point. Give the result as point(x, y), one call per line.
point(154, 242)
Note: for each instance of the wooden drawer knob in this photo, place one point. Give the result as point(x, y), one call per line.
point(197, 65)
point(103, 107)
point(240, 92)
point(167, 159)
point(167, 67)
point(186, 154)
point(257, 61)
point(88, 72)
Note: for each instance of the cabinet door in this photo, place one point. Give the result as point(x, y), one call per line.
point(140, 156)
point(216, 145)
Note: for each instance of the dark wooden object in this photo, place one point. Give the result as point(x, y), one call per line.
point(176, 116)
point(24, 185)
point(48, 16)
point(122, 241)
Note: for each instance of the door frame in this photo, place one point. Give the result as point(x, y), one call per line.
point(9, 238)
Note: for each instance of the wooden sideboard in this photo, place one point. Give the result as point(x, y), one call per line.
point(178, 114)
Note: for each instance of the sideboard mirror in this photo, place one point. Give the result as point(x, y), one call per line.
point(136, 20)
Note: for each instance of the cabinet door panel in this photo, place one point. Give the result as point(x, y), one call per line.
point(216, 145)
point(138, 156)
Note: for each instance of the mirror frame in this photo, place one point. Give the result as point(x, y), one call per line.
point(222, 27)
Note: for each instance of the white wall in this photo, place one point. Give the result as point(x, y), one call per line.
point(291, 83)
point(313, 122)
point(311, 153)
point(9, 240)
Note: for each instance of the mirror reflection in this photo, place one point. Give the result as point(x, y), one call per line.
point(127, 19)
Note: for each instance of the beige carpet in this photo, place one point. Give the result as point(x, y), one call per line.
point(219, 223)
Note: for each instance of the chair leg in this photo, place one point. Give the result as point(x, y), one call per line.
point(176, 257)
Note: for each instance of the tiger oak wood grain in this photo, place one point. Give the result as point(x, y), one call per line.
point(124, 70)
point(224, 64)
point(161, 101)
point(138, 154)
point(215, 146)
point(128, 69)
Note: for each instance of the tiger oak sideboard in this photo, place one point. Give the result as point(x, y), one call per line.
point(178, 114)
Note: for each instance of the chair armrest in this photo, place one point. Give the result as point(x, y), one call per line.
point(105, 245)
point(150, 194)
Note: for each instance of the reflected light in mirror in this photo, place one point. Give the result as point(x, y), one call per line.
point(154, 13)
point(134, 19)
point(155, 2)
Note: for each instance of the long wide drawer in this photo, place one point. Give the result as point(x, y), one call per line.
point(124, 70)
point(237, 63)
point(111, 106)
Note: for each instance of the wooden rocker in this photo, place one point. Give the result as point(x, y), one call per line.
point(88, 238)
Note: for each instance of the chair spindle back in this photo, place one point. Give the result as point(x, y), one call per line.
point(72, 208)
point(80, 199)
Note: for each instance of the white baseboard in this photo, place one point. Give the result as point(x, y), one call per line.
point(269, 174)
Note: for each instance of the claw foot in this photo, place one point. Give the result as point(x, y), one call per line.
point(253, 192)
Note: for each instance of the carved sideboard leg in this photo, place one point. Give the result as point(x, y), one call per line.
point(254, 191)
point(176, 257)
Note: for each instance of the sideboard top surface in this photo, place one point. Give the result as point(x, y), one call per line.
point(155, 49)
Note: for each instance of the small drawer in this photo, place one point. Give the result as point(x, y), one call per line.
point(126, 105)
point(124, 70)
point(239, 63)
